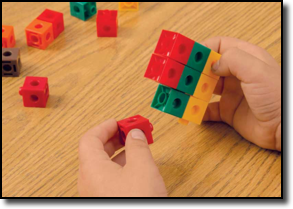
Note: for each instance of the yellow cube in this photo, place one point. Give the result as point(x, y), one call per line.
point(128, 6)
point(194, 111)
point(205, 88)
point(214, 57)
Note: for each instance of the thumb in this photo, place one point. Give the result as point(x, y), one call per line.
point(242, 65)
point(137, 149)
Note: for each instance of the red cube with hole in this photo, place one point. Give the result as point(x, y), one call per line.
point(164, 70)
point(175, 46)
point(8, 38)
point(39, 34)
point(35, 92)
point(135, 122)
point(107, 23)
point(56, 18)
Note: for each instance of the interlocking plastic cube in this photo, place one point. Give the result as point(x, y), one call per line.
point(189, 80)
point(56, 18)
point(39, 34)
point(198, 57)
point(11, 63)
point(107, 23)
point(83, 10)
point(213, 58)
point(205, 88)
point(175, 46)
point(164, 70)
point(8, 38)
point(135, 122)
point(129, 6)
point(195, 110)
point(170, 101)
point(35, 92)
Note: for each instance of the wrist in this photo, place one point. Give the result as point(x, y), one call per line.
point(278, 137)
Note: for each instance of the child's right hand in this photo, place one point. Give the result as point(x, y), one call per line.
point(250, 86)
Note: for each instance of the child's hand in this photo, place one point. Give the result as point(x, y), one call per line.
point(130, 174)
point(251, 91)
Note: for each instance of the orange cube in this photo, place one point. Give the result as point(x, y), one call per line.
point(205, 88)
point(8, 38)
point(39, 34)
point(214, 57)
point(194, 111)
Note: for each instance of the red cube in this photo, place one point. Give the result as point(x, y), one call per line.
point(107, 23)
point(175, 46)
point(56, 18)
point(35, 92)
point(164, 70)
point(135, 122)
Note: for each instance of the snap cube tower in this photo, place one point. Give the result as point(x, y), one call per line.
point(35, 92)
point(83, 10)
point(183, 69)
point(11, 63)
point(42, 31)
point(129, 6)
point(135, 122)
point(8, 37)
point(107, 23)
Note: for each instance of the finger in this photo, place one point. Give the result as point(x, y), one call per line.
point(120, 159)
point(240, 64)
point(113, 145)
point(222, 44)
point(213, 112)
point(137, 150)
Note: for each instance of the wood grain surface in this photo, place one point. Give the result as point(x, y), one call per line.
point(92, 79)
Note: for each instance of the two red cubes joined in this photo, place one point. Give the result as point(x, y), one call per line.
point(107, 23)
point(135, 122)
point(42, 31)
point(35, 92)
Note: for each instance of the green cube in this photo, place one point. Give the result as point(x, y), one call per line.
point(199, 56)
point(83, 10)
point(188, 80)
point(170, 101)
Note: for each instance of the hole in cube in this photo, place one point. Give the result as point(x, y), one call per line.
point(171, 73)
point(107, 28)
point(7, 68)
point(182, 49)
point(35, 83)
point(195, 110)
point(38, 26)
point(93, 10)
point(176, 103)
point(48, 36)
point(188, 80)
point(34, 98)
point(162, 98)
point(198, 57)
point(76, 9)
point(34, 39)
point(7, 54)
point(204, 87)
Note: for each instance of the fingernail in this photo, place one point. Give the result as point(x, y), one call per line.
point(215, 66)
point(137, 134)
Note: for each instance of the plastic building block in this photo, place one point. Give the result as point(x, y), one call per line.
point(164, 70)
point(56, 18)
point(135, 122)
point(175, 46)
point(35, 92)
point(195, 110)
point(205, 88)
point(11, 63)
point(129, 6)
point(188, 80)
point(83, 10)
point(198, 57)
point(8, 38)
point(214, 57)
point(107, 23)
point(170, 101)
point(39, 34)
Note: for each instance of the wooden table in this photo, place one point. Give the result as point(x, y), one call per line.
point(92, 79)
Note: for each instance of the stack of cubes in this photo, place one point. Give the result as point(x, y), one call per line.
point(183, 69)
point(45, 29)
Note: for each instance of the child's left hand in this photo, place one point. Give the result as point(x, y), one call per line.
point(132, 173)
